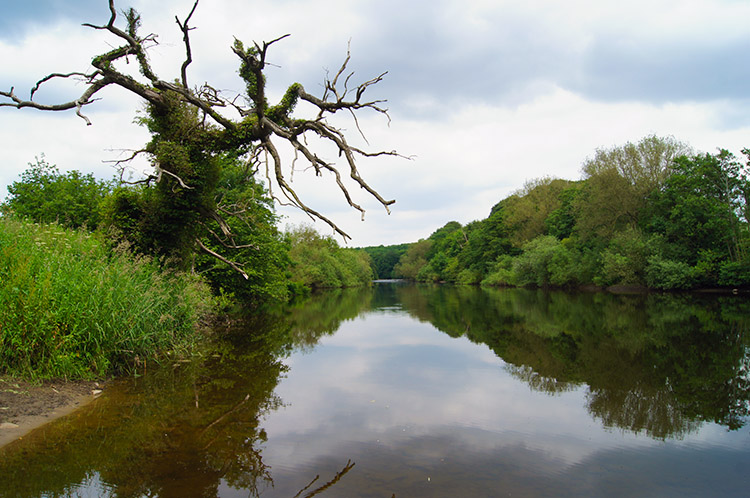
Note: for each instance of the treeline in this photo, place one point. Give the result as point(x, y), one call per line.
point(650, 214)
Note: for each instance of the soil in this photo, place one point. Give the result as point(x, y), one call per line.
point(24, 406)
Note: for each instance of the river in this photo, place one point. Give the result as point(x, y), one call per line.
point(424, 391)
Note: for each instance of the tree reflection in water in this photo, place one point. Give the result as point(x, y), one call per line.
point(659, 364)
point(184, 429)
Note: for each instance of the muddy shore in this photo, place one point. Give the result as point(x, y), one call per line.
point(24, 406)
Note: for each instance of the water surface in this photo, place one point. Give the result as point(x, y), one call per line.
point(429, 391)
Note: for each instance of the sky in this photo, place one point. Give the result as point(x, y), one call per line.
point(483, 95)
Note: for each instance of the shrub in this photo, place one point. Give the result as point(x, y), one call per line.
point(319, 262)
point(501, 273)
point(624, 260)
point(668, 274)
point(469, 277)
point(734, 273)
point(532, 266)
point(45, 195)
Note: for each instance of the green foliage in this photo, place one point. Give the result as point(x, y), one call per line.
point(562, 221)
point(152, 220)
point(412, 262)
point(319, 262)
point(624, 259)
point(72, 307)
point(618, 181)
point(734, 273)
point(645, 214)
point(485, 241)
point(260, 251)
point(668, 274)
point(385, 258)
point(45, 195)
point(533, 266)
point(501, 272)
point(526, 211)
point(701, 207)
point(164, 219)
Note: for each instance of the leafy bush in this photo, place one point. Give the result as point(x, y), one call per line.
point(734, 274)
point(566, 267)
point(469, 277)
point(624, 259)
point(668, 274)
point(501, 273)
point(532, 267)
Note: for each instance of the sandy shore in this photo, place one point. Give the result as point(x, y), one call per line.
point(25, 406)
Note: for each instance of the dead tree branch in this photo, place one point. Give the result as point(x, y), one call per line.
point(232, 264)
point(256, 127)
point(186, 38)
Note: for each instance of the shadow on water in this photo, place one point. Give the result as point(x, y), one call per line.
point(652, 364)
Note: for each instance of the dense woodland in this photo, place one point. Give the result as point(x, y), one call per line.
point(651, 214)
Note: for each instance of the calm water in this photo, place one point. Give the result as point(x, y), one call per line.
point(428, 391)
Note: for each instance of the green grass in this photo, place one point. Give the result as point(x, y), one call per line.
point(71, 306)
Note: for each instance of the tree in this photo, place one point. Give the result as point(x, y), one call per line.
point(45, 195)
point(527, 209)
point(194, 130)
point(413, 260)
point(702, 207)
point(619, 180)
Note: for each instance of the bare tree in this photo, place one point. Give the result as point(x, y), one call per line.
point(211, 123)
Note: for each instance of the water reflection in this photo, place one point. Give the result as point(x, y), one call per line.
point(653, 363)
point(181, 430)
point(362, 374)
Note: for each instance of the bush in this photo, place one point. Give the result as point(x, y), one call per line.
point(469, 277)
point(532, 267)
point(668, 274)
point(624, 260)
point(734, 274)
point(501, 273)
point(566, 267)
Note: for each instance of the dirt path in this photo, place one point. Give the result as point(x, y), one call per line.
point(25, 406)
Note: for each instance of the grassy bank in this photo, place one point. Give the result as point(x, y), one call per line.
point(71, 306)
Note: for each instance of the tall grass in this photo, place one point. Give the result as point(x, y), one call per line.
point(71, 306)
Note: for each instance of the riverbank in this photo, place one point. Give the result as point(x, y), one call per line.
point(25, 406)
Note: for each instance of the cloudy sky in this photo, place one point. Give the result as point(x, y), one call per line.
point(483, 94)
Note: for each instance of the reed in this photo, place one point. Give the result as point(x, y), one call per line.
point(72, 306)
